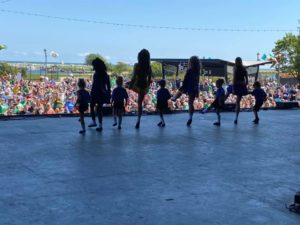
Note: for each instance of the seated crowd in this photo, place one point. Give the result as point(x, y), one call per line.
point(26, 97)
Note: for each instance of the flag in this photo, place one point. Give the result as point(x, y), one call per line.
point(264, 57)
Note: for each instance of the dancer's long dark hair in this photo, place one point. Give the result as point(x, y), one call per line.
point(239, 62)
point(194, 64)
point(99, 66)
point(143, 66)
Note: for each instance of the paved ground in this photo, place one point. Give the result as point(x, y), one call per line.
point(177, 175)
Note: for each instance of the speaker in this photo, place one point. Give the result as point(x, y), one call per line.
point(107, 110)
point(287, 105)
point(229, 107)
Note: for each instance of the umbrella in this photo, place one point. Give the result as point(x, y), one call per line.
point(54, 54)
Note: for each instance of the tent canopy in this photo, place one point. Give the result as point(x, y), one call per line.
point(211, 67)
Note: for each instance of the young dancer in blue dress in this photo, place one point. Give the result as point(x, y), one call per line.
point(163, 95)
point(119, 102)
point(219, 101)
point(82, 103)
point(260, 96)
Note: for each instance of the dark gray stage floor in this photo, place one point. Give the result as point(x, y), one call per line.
point(239, 175)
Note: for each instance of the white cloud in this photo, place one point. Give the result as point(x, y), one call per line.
point(107, 57)
point(38, 53)
point(83, 54)
point(20, 53)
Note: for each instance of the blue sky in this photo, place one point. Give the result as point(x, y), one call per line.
point(27, 36)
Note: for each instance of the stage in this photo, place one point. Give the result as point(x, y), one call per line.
point(233, 174)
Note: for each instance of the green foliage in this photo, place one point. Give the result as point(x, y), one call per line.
point(120, 69)
point(297, 60)
point(24, 72)
point(287, 51)
point(156, 69)
point(2, 46)
point(109, 66)
point(90, 57)
point(6, 69)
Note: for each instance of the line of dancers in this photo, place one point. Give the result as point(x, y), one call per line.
point(140, 82)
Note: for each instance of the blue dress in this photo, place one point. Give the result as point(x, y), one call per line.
point(100, 92)
point(191, 83)
point(83, 100)
point(163, 95)
point(220, 95)
point(260, 96)
point(119, 95)
point(239, 81)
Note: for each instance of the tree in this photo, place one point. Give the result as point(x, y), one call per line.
point(120, 68)
point(156, 69)
point(90, 57)
point(24, 72)
point(2, 46)
point(6, 69)
point(109, 66)
point(286, 51)
point(297, 59)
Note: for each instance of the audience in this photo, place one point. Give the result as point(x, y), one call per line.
point(50, 97)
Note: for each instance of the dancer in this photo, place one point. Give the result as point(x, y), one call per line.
point(119, 97)
point(260, 96)
point(240, 82)
point(163, 95)
point(82, 103)
point(190, 85)
point(100, 92)
point(141, 80)
point(229, 90)
point(219, 101)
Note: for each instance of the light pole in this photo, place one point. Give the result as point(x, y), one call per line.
point(54, 55)
point(258, 56)
point(45, 51)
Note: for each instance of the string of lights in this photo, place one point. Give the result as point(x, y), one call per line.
point(144, 26)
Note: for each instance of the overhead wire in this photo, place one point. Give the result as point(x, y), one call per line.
point(144, 26)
